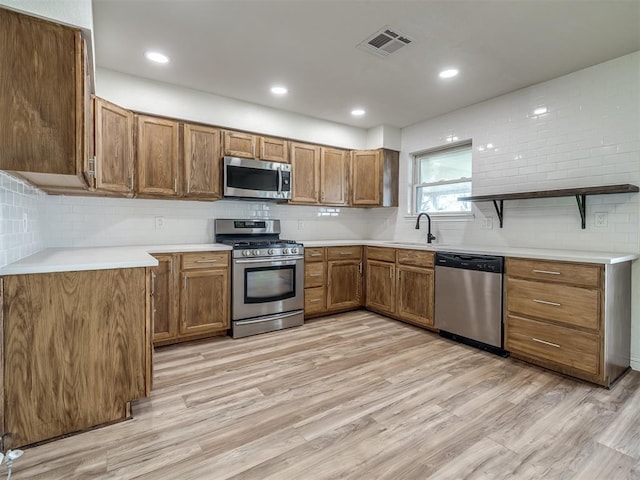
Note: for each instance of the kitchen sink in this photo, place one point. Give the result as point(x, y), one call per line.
point(419, 244)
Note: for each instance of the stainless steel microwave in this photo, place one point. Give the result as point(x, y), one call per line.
point(246, 178)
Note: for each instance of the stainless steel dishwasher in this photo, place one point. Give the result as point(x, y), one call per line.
point(468, 299)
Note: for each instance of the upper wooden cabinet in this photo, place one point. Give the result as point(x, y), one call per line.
point(114, 166)
point(366, 178)
point(334, 176)
point(43, 100)
point(248, 145)
point(202, 162)
point(274, 150)
point(305, 172)
point(157, 156)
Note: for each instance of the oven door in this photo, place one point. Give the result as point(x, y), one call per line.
point(265, 286)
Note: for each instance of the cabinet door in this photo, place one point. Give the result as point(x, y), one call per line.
point(201, 159)
point(415, 290)
point(114, 148)
point(366, 178)
point(334, 174)
point(381, 292)
point(305, 170)
point(238, 144)
point(205, 301)
point(344, 284)
point(157, 156)
point(164, 298)
point(274, 150)
point(41, 96)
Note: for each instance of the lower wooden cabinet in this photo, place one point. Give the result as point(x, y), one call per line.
point(400, 283)
point(190, 296)
point(333, 279)
point(76, 348)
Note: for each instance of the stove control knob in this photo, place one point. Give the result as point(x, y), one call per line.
point(271, 251)
point(256, 252)
point(245, 253)
point(285, 251)
point(294, 250)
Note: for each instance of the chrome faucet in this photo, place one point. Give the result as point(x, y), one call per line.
point(430, 237)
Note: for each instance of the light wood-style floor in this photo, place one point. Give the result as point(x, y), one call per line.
point(355, 396)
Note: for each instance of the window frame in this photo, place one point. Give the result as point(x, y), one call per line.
point(415, 173)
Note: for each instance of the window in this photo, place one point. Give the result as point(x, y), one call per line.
point(440, 177)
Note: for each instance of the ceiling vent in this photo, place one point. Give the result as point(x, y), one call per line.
point(385, 42)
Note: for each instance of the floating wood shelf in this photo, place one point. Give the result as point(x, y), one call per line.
point(579, 193)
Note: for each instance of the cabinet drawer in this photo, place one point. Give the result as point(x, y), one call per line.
point(557, 272)
point(560, 345)
point(382, 254)
point(313, 300)
point(344, 253)
point(419, 258)
point(313, 275)
point(204, 260)
point(561, 303)
point(313, 254)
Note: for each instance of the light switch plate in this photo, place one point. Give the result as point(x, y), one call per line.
point(159, 223)
point(602, 220)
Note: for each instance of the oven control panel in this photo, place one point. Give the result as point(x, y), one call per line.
point(268, 252)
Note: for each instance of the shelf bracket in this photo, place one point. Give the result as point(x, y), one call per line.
point(499, 210)
point(582, 207)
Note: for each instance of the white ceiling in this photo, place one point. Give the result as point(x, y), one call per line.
point(239, 48)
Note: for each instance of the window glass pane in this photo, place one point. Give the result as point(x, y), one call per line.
point(443, 198)
point(446, 165)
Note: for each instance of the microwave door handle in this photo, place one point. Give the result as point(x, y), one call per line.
point(279, 181)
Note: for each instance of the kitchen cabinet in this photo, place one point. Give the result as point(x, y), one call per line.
point(334, 176)
point(190, 296)
point(157, 156)
point(248, 145)
point(114, 161)
point(333, 279)
point(76, 348)
point(314, 281)
point(569, 317)
point(305, 168)
point(344, 278)
point(400, 283)
point(366, 178)
point(45, 92)
point(201, 161)
point(164, 297)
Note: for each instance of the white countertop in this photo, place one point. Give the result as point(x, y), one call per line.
point(522, 252)
point(99, 258)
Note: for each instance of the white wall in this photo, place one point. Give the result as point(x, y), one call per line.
point(160, 98)
point(590, 136)
point(19, 239)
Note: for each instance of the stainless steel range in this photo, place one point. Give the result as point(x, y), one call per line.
point(267, 276)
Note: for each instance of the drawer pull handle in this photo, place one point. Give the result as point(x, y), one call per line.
point(314, 301)
point(346, 253)
point(547, 272)
point(316, 254)
point(544, 302)
point(544, 342)
point(206, 261)
point(315, 274)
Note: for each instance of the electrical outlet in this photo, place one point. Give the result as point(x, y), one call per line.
point(300, 224)
point(25, 222)
point(602, 220)
point(159, 223)
point(487, 223)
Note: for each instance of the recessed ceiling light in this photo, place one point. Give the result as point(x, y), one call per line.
point(279, 90)
point(358, 112)
point(156, 57)
point(449, 73)
point(540, 110)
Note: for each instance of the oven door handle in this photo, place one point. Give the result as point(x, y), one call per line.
point(279, 260)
